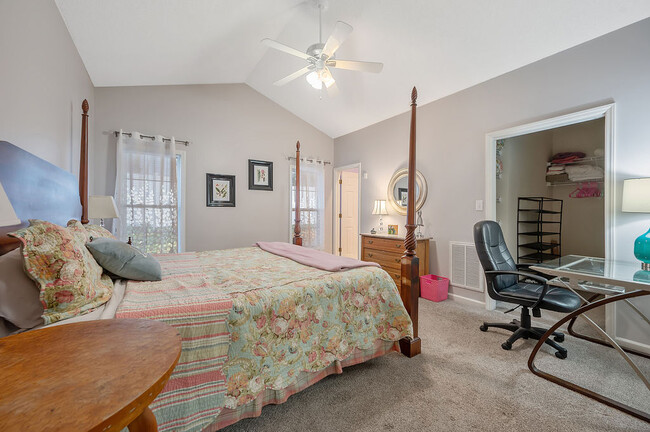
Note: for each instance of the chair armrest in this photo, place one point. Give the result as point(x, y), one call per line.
point(534, 277)
point(527, 267)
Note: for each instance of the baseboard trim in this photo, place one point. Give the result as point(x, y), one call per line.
point(456, 297)
point(637, 346)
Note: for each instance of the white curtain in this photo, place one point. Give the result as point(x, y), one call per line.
point(312, 203)
point(146, 193)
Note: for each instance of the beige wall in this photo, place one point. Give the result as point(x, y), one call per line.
point(227, 124)
point(42, 82)
point(451, 134)
point(583, 219)
point(524, 175)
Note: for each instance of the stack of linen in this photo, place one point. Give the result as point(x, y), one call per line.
point(579, 173)
point(556, 174)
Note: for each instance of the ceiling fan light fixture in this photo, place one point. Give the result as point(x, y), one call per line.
point(326, 78)
point(314, 80)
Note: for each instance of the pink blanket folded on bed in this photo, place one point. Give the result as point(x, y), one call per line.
point(313, 258)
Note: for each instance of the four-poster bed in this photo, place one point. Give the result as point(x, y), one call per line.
point(274, 326)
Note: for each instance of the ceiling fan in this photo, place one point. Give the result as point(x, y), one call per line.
point(320, 57)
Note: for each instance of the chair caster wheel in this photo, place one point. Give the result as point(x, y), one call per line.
point(506, 345)
point(561, 354)
point(559, 338)
point(483, 328)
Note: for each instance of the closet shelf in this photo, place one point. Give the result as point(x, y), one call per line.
point(573, 183)
point(537, 222)
point(588, 159)
point(539, 233)
point(538, 246)
point(539, 256)
point(530, 239)
point(540, 211)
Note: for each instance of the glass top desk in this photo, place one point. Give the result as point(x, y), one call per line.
point(618, 281)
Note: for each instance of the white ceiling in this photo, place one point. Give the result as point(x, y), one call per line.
point(442, 46)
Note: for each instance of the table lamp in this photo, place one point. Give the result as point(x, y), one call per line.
point(636, 199)
point(380, 209)
point(102, 207)
point(7, 214)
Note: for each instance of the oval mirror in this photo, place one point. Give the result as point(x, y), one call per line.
point(398, 190)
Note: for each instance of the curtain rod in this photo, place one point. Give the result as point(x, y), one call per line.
point(310, 160)
point(152, 137)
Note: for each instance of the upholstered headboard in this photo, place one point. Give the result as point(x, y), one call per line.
point(37, 190)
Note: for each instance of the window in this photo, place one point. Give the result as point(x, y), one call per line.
point(312, 204)
point(149, 194)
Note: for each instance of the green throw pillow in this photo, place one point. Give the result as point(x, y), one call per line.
point(123, 260)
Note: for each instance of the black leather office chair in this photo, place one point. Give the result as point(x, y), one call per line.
point(503, 284)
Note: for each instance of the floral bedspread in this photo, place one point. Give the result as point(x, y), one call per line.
point(283, 318)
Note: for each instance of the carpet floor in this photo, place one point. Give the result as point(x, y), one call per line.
point(464, 381)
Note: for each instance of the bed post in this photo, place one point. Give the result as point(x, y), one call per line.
point(297, 239)
point(83, 164)
point(410, 286)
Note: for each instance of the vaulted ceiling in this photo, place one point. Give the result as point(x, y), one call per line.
point(442, 46)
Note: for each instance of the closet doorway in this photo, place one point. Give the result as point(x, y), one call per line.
point(520, 164)
point(347, 188)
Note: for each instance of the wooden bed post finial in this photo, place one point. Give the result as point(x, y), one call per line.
point(83, 163)
point(297, 239)
point(410, 264)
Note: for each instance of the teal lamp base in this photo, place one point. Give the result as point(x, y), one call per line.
point(642, 250)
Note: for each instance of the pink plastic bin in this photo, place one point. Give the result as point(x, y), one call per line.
point(434, 287)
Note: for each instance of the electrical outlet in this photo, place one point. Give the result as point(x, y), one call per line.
point(479, 205)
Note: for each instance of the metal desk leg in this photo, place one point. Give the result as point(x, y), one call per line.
point(572, 386)
point(574, 333)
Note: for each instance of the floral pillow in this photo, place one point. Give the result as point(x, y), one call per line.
point(70, 280)
point(89, 230)
point(97, 231)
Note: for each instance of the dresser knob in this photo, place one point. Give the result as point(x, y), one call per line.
point(369, 241)
point(398, 245)
point(370, 255)
point(396, 259)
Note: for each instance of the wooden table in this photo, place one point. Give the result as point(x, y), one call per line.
point(88, 376)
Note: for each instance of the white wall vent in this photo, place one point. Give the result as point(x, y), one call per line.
point(466, 271)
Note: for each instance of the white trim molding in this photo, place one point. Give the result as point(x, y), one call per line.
point(604, 111)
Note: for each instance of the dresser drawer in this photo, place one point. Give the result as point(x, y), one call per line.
point(384, 244)
point(395, 275)
point(383, 258)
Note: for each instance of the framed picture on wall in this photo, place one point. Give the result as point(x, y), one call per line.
point(220, 190)
point(260, 175)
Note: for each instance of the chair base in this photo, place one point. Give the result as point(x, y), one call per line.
point(522, 329)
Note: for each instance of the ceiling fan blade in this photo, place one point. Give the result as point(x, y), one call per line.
point(285, 48)
point(338, 36)
point(356, 65)
point(293, 76)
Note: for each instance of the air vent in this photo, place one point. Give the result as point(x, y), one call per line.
point(466, 269)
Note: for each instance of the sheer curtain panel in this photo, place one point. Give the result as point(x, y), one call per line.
point(312, 203)
point(146, 193)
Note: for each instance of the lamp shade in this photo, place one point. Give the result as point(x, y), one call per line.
point(102, 207)
point(636, 195)
point(7, 214)
point(380, 208)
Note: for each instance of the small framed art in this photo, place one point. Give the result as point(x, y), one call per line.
point(392, 229)
point(220, 190)
point(260, 175)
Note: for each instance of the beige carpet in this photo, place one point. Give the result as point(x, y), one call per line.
point(463, 381)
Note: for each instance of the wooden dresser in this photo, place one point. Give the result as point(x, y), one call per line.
point(387, 251)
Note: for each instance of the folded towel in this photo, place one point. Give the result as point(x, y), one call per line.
point(584, 172)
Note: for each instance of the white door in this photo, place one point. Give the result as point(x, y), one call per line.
point(349, 214)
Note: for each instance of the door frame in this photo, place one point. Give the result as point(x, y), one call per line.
point(335, 220)
point(603, 111)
